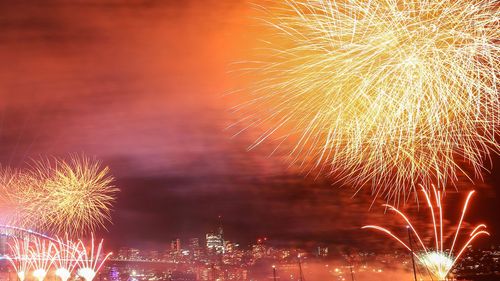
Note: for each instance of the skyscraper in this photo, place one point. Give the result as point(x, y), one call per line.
point(175, 246)
point(194, 247)
point(215, 240)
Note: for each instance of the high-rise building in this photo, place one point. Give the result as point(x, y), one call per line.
point(194, 247)
point(215, 243)
point(125, 253)
point(135, 254)
point(175, 246)
point(230, 246)
point(215, 240)
point(322, 251)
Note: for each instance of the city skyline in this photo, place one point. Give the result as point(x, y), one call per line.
point(125, 81)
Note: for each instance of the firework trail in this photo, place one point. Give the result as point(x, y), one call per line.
point(91, 259)
point(20, 258)
point(437, 260)
point(66, 258)
point(63, 255)
point(41, 257)
point(387, 94)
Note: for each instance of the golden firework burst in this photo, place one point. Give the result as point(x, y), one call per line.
point(16, 197)
point(390, 94)
point(73, 196)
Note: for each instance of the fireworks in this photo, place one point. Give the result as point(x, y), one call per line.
point(15, 195)
point(41, 258)
point(20, 258)
point(66, 258)
point(77, 195)
point(91, 260)
point(38, 256)
point(383, 93)
point(438, 261)
point(58, 196)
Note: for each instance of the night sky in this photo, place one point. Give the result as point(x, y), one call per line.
point(142, 87)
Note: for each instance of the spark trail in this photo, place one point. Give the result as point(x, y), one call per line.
point(386, 94)
point(437, 260)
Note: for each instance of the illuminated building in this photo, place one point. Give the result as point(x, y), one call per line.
point(230, 247)
point(215, 241)
point(114, 274)
point(194, 247)
point(128, 254)
point(122, 253)
point(259, 250)
point(322, 251)
point(134, 254)
point(175, 246)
